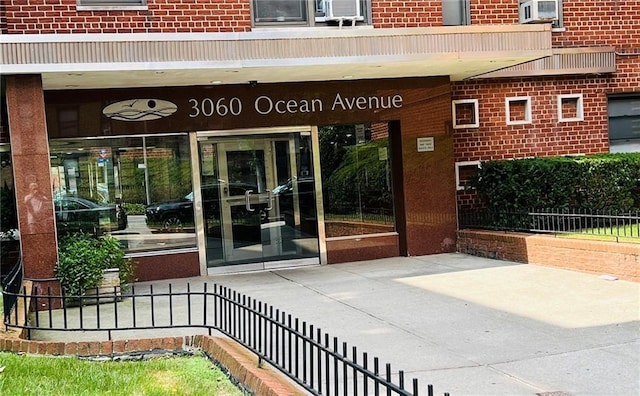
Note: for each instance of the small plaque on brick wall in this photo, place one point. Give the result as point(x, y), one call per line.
point(426, 144)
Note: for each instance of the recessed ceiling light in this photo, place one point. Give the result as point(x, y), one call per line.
point(347, 76)
point(216, 82)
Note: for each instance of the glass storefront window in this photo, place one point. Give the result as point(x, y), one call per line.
point(356, 179)
point(138, 189)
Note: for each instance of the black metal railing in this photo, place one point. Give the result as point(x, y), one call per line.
point(571, 221)
point(11, 284)
point(310, 357)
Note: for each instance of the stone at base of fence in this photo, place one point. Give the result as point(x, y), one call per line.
point(240, 364)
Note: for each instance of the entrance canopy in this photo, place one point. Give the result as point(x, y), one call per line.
point(88, 61)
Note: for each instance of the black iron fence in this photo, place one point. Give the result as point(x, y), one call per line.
point(312, 358)
point(11, 284)
point(571, 221)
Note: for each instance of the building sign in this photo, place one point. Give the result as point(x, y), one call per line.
point(139, 110)
point(111, 112)
point(153, 109)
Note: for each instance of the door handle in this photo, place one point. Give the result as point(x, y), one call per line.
point(269, 200)
point(247, 203)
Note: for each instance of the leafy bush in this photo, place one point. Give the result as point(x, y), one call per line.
point(610, 182)
point(8, 212)
point(82, 259)
point(134, 208)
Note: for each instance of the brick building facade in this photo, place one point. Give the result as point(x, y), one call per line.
point(429, 88)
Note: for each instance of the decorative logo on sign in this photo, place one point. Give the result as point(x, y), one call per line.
point(139, 110)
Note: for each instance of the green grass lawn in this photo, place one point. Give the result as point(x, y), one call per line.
point(602, 237)
point(40, 375)
point(616, 234)
point(62, 376)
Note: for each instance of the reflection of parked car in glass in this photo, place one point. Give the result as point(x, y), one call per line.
point(74, 214)
point(172, 215)
point(306, 203)
point(177, 215)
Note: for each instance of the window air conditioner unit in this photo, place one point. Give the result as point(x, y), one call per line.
point(336, 10)
point(538, 11)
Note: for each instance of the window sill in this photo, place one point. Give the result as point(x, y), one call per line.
point(267, 28)
point(111, 8)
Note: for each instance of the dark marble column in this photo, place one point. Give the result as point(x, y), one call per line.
point(30, 152)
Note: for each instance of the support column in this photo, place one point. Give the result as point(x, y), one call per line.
point(32, 177)
point(429, 186)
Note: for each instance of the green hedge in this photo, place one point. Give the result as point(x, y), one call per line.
point(600, 182)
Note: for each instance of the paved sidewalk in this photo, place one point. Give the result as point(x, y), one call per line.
point(467, 325)
point(470, 325)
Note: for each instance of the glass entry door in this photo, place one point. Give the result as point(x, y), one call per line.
point(258, 201)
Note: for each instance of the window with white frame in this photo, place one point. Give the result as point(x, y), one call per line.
point(465, 172)
point(518, 110)
point(310, 12)
point(465, 113)
point(570, 108)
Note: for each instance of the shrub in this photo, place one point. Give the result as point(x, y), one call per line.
point(134, 208)
point(610, 182)
point(82, 259)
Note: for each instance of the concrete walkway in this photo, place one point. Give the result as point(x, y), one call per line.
point(468, 325)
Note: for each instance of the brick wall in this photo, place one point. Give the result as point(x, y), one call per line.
point(544, 136)
point(627, 77)
point(586, 23)
point(379, 130)
point(596, 23)
point(402, 14)
point(61, 16)
point(494, 12)
point(607, 22)
point(618, 259)
point(428, 183)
